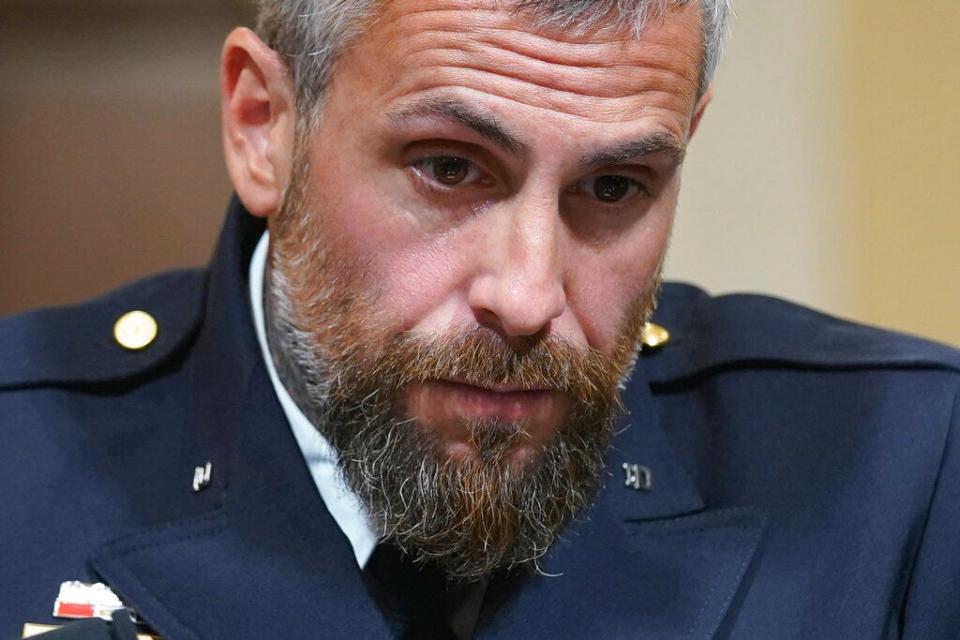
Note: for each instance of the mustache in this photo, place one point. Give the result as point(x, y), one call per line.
point(482, 358)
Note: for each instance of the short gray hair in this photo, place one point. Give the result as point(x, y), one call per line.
point(311, 34)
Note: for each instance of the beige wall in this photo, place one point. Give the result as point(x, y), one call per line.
point(903, 129)
point(825, 170)
point(760, 208)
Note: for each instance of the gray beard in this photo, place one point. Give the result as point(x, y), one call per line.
point(468, 517)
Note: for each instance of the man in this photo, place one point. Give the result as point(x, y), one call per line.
point(431, 305)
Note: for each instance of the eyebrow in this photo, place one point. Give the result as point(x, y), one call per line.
point(657, 143)
point(485, 124)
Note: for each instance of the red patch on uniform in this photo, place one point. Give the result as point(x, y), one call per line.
point(73, 610)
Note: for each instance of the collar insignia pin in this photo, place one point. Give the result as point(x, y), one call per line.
point(201, 476)
point(653, 336)
point(637, 477)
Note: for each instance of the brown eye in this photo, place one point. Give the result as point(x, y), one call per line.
point(449, 170)
point(612, 188)
point(449, 175)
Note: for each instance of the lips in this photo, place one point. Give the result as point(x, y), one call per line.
point(511, 403)
point(445, 405)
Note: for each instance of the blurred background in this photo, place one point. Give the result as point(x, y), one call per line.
point(826, 171)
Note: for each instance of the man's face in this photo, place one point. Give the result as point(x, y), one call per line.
point(503, 192)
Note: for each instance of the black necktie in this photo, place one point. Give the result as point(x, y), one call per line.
point(418, 601)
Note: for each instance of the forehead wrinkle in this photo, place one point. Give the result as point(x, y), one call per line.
point(613, 72)
point(590, 54)
point(485, 124)
point(652, 72)
point(609, 82)
point(511, 31)
point(598, 108)
point(407, 55)
point(659, 58)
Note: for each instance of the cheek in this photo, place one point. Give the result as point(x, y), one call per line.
point(605, 281)
point(412, 276)
point(421, 281)
point(411, 270)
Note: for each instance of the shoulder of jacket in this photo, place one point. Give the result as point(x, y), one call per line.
point(76, 344)
point(714, 333)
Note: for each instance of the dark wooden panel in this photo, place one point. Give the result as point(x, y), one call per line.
point(110, 156)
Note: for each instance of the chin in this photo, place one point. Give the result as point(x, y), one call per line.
point(516, 457)
point(487, 442)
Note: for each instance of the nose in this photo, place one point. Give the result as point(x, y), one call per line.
point(521, 287)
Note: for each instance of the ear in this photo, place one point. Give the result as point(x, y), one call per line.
point(258, 111)
point(700, 108)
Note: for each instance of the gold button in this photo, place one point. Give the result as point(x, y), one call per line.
point(654, 336)
point(135, 330)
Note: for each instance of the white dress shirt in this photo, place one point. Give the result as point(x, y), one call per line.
point(340, 500)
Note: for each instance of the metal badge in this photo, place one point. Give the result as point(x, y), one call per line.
point(653, 336)
point(135, 330)
point(637, 477)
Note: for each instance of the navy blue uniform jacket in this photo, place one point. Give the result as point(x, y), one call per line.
point(805, 479)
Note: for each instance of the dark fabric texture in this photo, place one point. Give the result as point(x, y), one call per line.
point(94, 629)
point(120, 627)
point(412, 596)
point(421, 603)
point(805, 481)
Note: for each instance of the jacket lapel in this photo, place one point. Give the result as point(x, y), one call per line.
point(639, 564)
point(256, 554)
point(270, 562)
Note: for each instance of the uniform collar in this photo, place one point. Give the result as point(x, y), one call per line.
point(342, 503)
point(256, 549)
